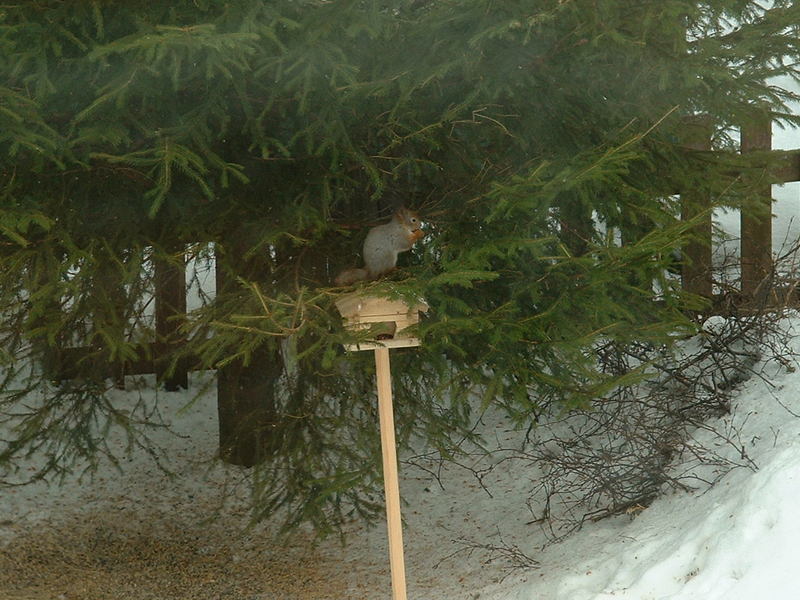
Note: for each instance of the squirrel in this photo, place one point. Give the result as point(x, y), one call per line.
point(382, 245)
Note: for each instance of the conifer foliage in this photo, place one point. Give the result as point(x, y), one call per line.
point(542, 140)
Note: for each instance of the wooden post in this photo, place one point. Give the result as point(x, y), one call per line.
point(170, 301)
point(381, 315)
point(390, 475)
point(696, 266)
point(756, 220)
point(108, 284)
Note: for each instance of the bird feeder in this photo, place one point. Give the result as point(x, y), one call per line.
point(387, 321)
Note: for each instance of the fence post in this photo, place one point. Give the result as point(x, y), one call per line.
point(756, 218)
point(170, 303)
point(696, 264)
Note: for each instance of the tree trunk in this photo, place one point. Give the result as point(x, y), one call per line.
point(577, 227)
point(245, 392)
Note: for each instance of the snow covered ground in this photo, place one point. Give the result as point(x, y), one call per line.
point(141, 534)
point(733, 540)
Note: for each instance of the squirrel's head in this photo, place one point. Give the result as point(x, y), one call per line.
point(409, 218)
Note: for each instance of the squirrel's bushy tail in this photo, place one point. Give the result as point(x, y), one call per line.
point(350, 276)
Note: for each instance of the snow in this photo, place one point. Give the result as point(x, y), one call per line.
point(733, 539)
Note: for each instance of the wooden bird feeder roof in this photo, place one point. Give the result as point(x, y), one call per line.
point(363, 312)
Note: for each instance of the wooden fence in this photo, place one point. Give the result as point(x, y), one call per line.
point(756, 258)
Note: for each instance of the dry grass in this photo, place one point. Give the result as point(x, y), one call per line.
point(120, 556)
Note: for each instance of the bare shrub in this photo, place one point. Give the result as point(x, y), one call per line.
point(669, 430)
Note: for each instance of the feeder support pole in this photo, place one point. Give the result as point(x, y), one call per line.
point(390, 479)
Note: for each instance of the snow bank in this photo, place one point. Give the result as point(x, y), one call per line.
point(735, 540)
point(733, 543)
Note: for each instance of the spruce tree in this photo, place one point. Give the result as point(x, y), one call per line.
point(544, 141)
